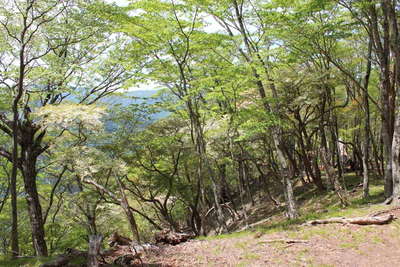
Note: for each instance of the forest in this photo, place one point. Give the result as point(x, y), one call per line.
point(244, 104)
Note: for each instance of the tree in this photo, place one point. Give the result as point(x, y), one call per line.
point(51, 63)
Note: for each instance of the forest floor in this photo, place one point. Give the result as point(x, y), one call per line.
point(324, 245)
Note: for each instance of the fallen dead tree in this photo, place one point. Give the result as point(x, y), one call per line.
point(381, 212)
point(244, 228)
point(172, 238)
point(122, 255)
point(125, 252)
point(64, 259)
point(369, 220)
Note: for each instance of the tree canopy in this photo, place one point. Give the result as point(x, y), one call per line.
point(253, 99)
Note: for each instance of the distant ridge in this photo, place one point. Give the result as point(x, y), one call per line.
point(131, 97)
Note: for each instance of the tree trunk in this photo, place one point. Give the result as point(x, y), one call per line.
point(246, 176)
point(358, 220)
point(333, 177)
point(290, 199)
point(128, 212)
point(310, 163)
point(286, 172)
point(34, 207)
point(13, 192)
point(94, 250)
point(380, 34)
point(365, 154)
point(202, 152)
point(252, 56)
point(14, 171)
point(395, 49)
point(387, 143)
point(396, 161)
point(241, 187)
point(89, 210)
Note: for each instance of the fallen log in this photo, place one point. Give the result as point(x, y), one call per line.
point(64, 259)
point(121, 244)
point(171, 238)
point(244, 228)
point(125, 252)
point(61, 260)
point(381, 212)
point(379, 220)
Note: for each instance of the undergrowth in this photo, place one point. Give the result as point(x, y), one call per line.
point(317, 205)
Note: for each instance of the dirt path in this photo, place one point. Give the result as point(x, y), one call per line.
point(327, 245)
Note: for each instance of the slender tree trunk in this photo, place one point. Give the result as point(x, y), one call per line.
point(14, 171)
point(286, 173)
point(366, 144)
point(266, 185)
point(246, 180)
point(5, 195)
point(128, 212)
point(13, 190)
point(396, 160)
point(202, 151)
point(276, 134)
point(310, 163)
point(387, 152)
point(220, 217)
point(333, 177)
point(241, 174)
point(226, 192)
point(395, 49)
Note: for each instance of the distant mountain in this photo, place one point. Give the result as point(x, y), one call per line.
point(132, 97)
point(145, 97)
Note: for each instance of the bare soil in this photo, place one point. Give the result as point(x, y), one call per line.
point(327, 245)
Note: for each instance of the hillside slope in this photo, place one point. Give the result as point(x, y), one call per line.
point(326, 245)
point(322, 245)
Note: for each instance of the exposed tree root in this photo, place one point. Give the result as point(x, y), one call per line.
point(358, 220)
point(388, 201)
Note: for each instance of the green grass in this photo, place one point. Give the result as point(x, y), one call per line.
point(31, 262)
point(251, 256)
point(241, 245)
point(35, 261)
point(349, 245)
point(329, 207)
